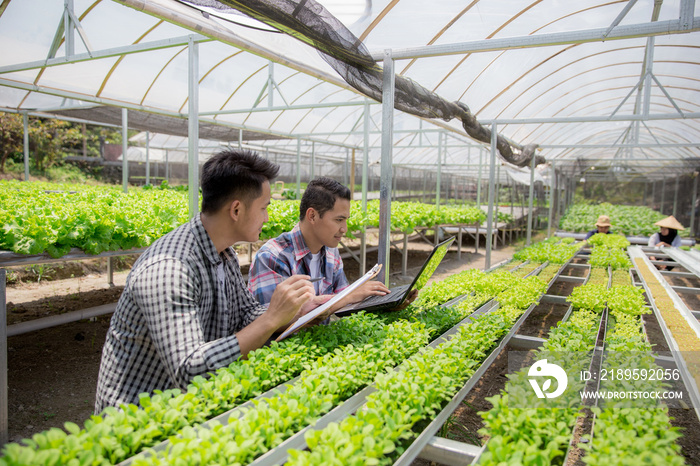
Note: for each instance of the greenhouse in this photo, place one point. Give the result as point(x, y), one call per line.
point(526, 171)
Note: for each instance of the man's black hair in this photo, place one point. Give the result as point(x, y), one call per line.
point(234, 174)
point(321, 194)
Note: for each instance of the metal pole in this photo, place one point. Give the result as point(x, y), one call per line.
point(439, 175)
point(193, 127)
point(298, 168)
point(492, 187)
point(692, 206)
point(125, 149)
point(512, 208)
point(531, 192)
point(25, 122)
point(675, 199)
point(388, 86)
point(148, 157)
point(345, 168)
point(551, 199)
point(4, 428)
point(478, 179)
point(313, 160)
point(167, 165)
point(365, 163)
point(663, 195)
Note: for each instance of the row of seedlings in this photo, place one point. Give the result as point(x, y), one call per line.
point(334, 380)
point(117, 434)
point(432, 320)
point(407, 399)
point(679, 326)
point(524, 428)
point(630, 429)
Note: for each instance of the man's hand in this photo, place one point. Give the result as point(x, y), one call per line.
point(367, 289)
point(406, 302)
point(313, 304)
point(288, 299)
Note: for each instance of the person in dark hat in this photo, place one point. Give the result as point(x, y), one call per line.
point(601, 226)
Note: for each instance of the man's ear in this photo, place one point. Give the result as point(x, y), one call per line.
point(312, 215)
point(234, 210)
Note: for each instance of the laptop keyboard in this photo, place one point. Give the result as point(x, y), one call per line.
point(376, 300)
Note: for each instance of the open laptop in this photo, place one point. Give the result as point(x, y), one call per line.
point(399, 294)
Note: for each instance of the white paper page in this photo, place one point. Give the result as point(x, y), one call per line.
point(325, 306)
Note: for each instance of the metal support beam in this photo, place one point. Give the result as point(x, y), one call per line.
point(365, 182)
point(193, 127)
point(148, 157)
point(125, 149)
point(552, 185)
point(4, 419)
point(478, 180)
point(675, 199)
point(25, 123)
point(438, 189)
point(545, 40)
point(492, 187)
point(693, 230)
point(298, 168)
point(386, 175)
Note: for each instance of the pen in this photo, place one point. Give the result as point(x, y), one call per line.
point(314, 280)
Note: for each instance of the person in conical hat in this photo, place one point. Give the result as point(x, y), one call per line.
point(666, 237)
point(601, 226)
point(667, 234)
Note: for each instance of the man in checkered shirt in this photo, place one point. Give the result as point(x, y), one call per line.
point(311, 248)
point(185, 310)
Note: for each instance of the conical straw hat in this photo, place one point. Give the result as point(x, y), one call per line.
point(670, 222)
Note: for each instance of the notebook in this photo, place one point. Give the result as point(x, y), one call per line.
point(399, 294)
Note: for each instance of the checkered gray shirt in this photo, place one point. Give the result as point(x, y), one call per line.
point(176, 318)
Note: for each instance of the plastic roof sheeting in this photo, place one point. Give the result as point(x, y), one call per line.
point(573, 98)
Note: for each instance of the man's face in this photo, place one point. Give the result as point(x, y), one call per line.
point(254, 214)
point(331, 228)
point(603, 229)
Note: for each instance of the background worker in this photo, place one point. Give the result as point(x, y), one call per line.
point(667, 236)
point(601, 226)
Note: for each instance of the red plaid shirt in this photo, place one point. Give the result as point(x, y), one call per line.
point(288, 255)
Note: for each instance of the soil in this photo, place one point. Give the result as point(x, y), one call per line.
point(52, 373)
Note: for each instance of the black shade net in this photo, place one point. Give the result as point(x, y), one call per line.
point(311, 23)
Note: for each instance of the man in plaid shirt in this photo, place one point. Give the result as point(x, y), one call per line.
point(185, 309)
point(311, 248)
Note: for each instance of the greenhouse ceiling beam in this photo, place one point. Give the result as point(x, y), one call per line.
point(86, 98)
point(619, 145)
point(288, 107)
point(675, 26)
point(130, 106)
point(106, 53)
point(595, 119)
point(59, 117)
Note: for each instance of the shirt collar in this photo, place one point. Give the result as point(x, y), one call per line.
point(205, 242)
point(299, 245)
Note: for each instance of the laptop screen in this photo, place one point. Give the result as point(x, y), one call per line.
point(431, 264)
